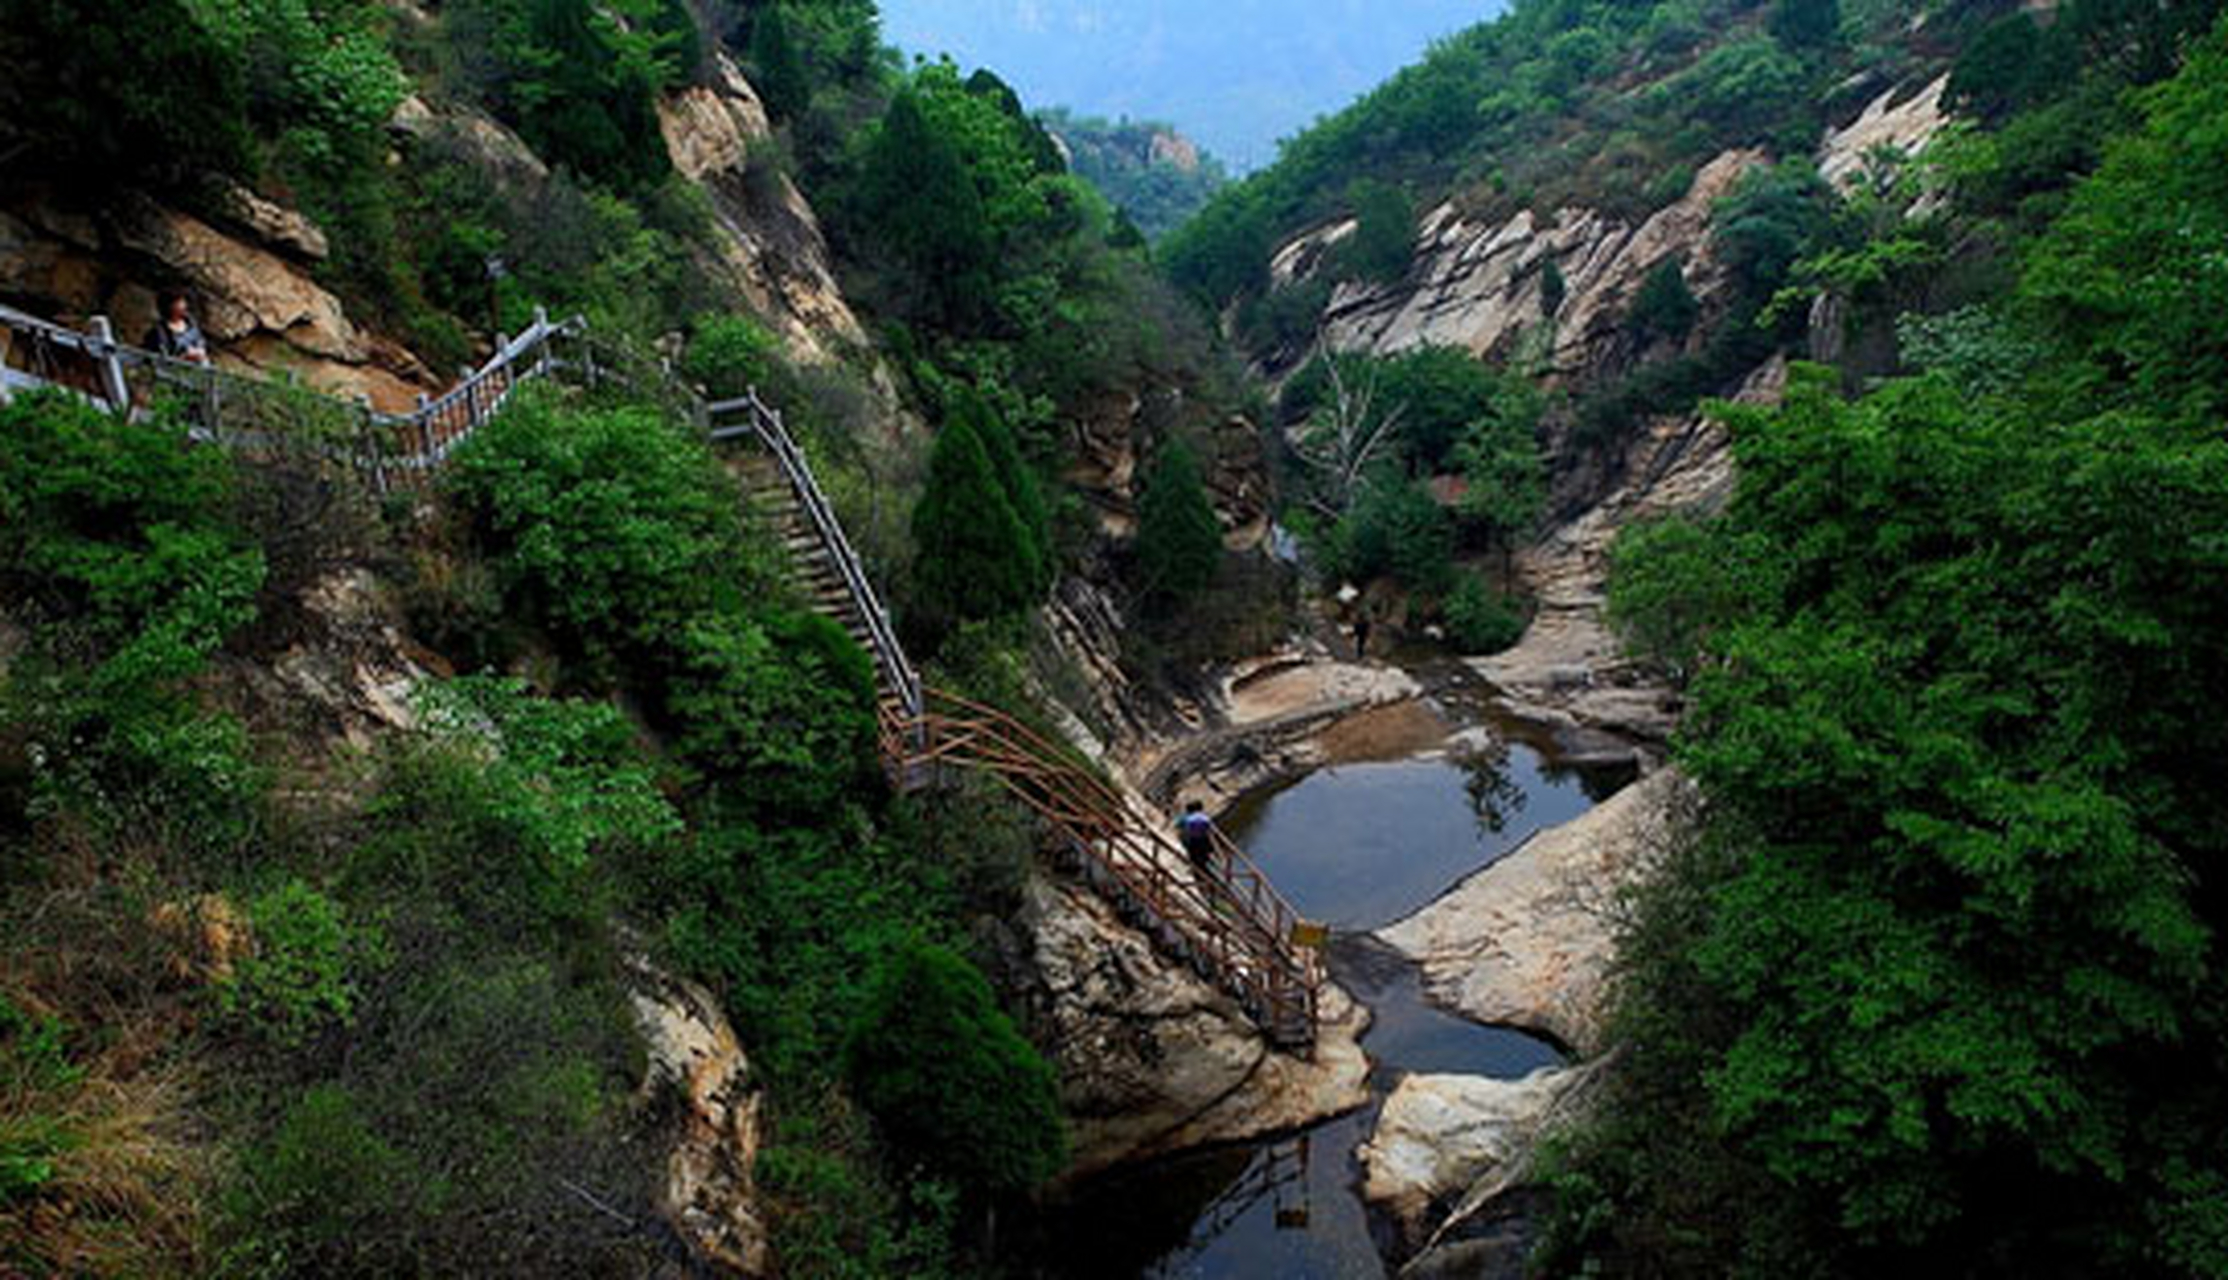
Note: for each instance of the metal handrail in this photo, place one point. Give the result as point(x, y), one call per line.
point(766, 424)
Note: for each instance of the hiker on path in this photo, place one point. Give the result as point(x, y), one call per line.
point(1197, 831)
point(175, 334)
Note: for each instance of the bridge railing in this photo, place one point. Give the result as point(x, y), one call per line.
point(1228, 913)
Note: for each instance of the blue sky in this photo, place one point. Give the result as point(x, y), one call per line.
point(1236, 75)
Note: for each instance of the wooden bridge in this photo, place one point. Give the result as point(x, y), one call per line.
point(1225, 920)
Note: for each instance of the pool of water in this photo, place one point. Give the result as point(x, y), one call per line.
point(1359, 846)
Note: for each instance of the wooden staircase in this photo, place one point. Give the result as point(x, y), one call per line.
point(1224, 920)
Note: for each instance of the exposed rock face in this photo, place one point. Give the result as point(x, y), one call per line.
point(1439, 1134)
point(1899, 118)
point(1477, 285)
point(1473, 1142)
point(356, 666)
point(1175, 150)
point(772, 250)
point(1527, 942)
point(1108, 449)
point(256, 299)
point(1151, 1058)
point(1280, 716)
point(244, 288)
point(709, 1195)
point(1569, 669)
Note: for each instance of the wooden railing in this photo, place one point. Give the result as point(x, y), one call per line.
point(1225, 918)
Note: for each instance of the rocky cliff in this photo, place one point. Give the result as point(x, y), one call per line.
point(259, 271)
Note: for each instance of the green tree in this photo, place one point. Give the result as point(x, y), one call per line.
point(1018, 479)
point(923, 205)
point(1664, 308)
point(583, 88)
point(950, 1080)
point(1383, 245)
point(976, 560)
point(1179, 540)
point(1806, 25)
point(101, 91)
point(783, 81)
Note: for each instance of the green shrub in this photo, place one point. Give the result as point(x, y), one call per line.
point(950, 1080)
point(1480, 620)
point(782, 80)
point(123, 560)
point(1665, 307)
point(731, 355)
point(1395, 529)
point(1383, 245)
point(1673, 586)
point(508, 813)
point(102, 90)
point(610, 528)
point(778, 715)
point(302, 974)
point(1179, 540)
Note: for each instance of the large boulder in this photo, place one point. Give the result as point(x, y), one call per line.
point(1440, 1134)
point(709, 1196)
point(1528, 942)
point(244, 288)
point(1151, 1058)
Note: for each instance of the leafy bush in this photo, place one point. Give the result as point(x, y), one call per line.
point(778, 715)
point(581, 86)
point(1383, 245)
point(949, 1078)
point(97, 89)
point(1395, 529)
point(731, 355)
point(1481, 620)
point(123, 560)
point(1664, 308)
point(1673, 587)
point(301, 975)
point(509, 812)
point(611, 528)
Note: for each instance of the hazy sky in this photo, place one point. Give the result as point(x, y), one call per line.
point(1237, 75)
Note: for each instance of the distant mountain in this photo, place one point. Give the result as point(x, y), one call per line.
point(1150, 171)
point(1238, 75)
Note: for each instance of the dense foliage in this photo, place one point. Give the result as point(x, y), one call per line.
point(1941, 980)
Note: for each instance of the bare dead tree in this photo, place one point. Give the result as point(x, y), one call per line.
point(1343, 438)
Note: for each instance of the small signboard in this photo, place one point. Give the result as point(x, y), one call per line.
point(1312, 934)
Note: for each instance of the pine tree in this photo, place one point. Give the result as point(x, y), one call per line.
point(917, 197)
point(784, 84)
point(975, 557)
point(1018, 479)
point(1179, 540)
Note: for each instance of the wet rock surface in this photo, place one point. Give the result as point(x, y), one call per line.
point(1528, 941)
point(1153, 1059)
